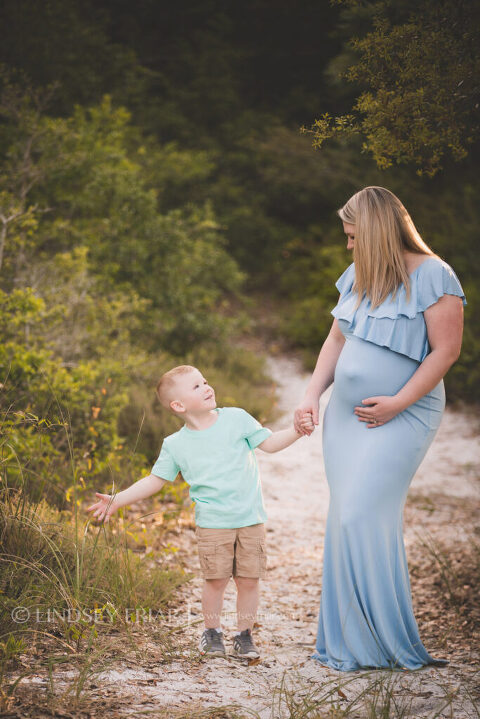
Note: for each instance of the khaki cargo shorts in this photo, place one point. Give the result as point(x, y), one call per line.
point(239, 552)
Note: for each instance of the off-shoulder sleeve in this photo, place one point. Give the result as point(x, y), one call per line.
point(399, 323)
point(437, 279)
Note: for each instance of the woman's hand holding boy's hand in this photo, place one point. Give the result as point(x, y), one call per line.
point(105, 507)
point(306, 423)
point(307, 408)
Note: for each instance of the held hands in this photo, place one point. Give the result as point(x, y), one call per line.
point(305, 418)
point(104, 508)
point(306, 422)
point(381, 410)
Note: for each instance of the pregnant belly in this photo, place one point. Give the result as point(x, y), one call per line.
point(365, 369)
point(382, 459)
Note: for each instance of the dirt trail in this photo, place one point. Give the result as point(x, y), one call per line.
point(296, 498)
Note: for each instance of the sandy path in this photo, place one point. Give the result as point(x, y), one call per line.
point(296, 498)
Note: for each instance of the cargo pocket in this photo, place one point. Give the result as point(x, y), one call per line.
point(207, 552)
point(252, 560)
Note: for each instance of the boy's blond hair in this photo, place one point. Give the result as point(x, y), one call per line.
point(167, 382)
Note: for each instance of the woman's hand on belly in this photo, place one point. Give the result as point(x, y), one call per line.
point(381, 410)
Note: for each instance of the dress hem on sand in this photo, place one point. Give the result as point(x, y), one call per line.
point(354, 666)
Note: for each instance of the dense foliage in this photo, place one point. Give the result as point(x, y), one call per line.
point(418, 69)
point(155, 183)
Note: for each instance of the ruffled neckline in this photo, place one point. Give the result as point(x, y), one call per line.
point(397, 323)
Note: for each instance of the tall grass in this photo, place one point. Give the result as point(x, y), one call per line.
point(66, 586)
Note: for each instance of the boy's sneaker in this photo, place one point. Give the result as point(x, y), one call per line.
point(211, 643)
point(243, 645)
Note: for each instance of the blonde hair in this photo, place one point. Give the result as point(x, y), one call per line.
point(383, 229)
point(166, 383)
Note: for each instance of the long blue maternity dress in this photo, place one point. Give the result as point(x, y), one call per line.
point(366, 615)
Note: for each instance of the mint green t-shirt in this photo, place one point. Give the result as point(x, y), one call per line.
point(220, 466)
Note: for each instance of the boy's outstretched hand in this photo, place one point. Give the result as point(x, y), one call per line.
point(306, 422)
point(104, 508)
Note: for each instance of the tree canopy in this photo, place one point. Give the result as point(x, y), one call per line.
point(417, 70)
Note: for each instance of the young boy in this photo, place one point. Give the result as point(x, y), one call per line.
point(214, 452)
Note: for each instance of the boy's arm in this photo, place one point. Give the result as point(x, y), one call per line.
point(286, 437)
point(279, 440)
point(107, 504)
point(141, 489)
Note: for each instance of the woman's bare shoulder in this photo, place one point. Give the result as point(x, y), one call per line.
point(413, 260)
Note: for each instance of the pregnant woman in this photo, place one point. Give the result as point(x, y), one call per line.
point(397, 330)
